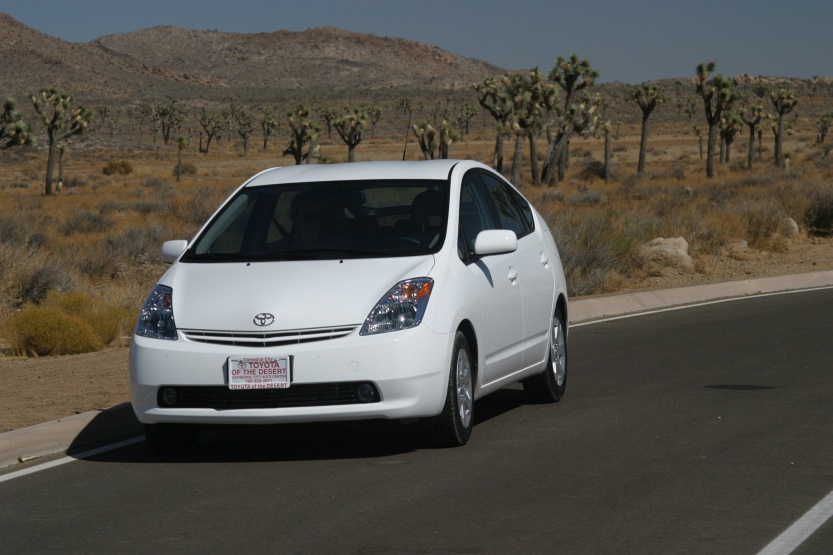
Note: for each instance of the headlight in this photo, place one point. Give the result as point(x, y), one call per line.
point(400, 308)
point(156, 320)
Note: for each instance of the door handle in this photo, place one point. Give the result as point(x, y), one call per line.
point(513, 274)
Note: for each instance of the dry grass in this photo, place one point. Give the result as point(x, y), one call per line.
point(100, 236)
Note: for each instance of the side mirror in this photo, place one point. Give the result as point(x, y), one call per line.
point(495, 241)
point(172, 249)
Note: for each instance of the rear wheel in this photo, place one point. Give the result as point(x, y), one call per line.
point(170, 438)
point(453, 426)
point(549, 386)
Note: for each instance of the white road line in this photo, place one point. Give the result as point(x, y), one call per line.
point(802, 529)
point(65, 460)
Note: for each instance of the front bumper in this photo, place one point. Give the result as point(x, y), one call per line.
point(408, 368)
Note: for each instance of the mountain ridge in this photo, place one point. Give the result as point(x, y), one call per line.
point(186, 64)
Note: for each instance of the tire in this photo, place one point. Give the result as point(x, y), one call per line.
point(170, 438)
point(549, 386)
point(453, 426)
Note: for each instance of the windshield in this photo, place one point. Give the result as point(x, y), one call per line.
point(345, 219)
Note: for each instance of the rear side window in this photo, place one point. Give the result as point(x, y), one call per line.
point(513, 211)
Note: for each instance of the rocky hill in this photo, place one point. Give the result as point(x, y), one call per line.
point(189, 64)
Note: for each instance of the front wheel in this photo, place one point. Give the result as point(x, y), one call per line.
point(453, 426)
point(549, 386)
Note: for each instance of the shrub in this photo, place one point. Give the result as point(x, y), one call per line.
point(64, 324)
point(187, 169)
point(199, 205)
point(819, 210)
point(107, 320)
point(120, 167)
point(86, 222)
point(42, 281)
point(44, 331)
point(74, 181)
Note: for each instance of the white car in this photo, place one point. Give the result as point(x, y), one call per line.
point(392, 290)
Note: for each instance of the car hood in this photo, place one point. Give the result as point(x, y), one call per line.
point(299, 294)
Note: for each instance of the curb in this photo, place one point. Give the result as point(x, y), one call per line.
point(83, 431)
point(68, 435)
point(630, 303)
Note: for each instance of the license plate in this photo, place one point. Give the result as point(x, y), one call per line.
point(258, 372)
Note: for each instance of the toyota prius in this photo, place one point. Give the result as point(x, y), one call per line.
point(372, 290)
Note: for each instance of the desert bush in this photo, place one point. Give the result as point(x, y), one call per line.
point(135, 241)
point(42, 280)
point(593, 249)
point(117, 167)
point(764, 217)
point(74, 181)
point(43, 331)
point(106, 319)
point(593, 169)
point(196, 207)
point(818, 216)
point(585, 197)
point(86, 222)
point(187, 169)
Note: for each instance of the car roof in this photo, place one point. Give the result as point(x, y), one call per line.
point(307, 173)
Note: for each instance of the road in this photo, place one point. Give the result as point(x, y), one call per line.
point(704, 430)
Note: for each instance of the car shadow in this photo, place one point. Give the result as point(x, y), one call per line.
point(291, 442)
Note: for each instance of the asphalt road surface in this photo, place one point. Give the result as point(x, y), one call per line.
point(704, 430)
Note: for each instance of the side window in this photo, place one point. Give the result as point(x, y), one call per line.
point(504, 199)
point(475, 214)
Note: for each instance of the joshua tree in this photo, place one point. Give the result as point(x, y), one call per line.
point(532, 99)
point(463, 115)
point(447, 136)
point(784, 102)
point(61, 121)
point(350, 127)
point(699, 133)
point(575, 115)
point(404, 105)
point(181, 143)
point(244, 125)
point(647, 97)
point(170, 117)
point(730, 127)
point(718, 95)
point(303, 132)
point(493, 98)
point(823, 126)
point(268, 124)
point(752, 118)
point(14, 131)
point(328, 115)
point(212, 124)
point(427, 138)
point(374, 114)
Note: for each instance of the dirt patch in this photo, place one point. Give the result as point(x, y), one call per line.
point(37, 390)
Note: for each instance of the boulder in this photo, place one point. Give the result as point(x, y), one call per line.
point(666, 256)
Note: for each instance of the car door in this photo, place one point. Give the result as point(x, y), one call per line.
point(535, 270)
point(501, 336)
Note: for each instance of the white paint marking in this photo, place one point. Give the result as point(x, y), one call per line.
point(803, 528)
point(65, 460)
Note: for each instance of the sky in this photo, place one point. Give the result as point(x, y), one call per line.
point(627, 41)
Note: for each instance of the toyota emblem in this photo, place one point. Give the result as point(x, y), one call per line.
point(264, 319)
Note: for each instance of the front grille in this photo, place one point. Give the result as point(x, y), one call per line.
point(266, 339)
point(297, 395)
